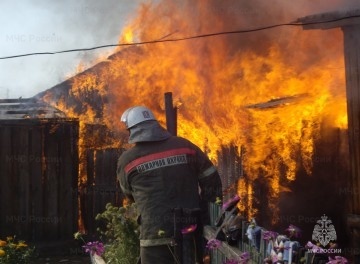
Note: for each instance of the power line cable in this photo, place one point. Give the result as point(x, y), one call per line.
point(162, 40)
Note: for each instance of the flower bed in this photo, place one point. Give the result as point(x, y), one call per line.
point(14, 251)
point(264, 246)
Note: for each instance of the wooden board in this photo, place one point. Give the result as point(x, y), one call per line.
point(39, 176)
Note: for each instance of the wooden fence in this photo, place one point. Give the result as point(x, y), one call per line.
point(38, 171)
point(40, 199)
point(230, 168)
point(101, 187)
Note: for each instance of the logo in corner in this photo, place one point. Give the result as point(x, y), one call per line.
point(324, 231)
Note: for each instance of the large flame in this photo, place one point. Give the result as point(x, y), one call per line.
point(268, 91)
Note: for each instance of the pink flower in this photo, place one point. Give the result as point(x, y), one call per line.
point(268, 260)
point(231, 261)
point(213, 244)
point(269, 235)
point(94, 247)
point(294, 231)
point(274, 258)
point(338, 260)
point(233, 200)
point(314, 248)
point(244, 258)
point(188, 229)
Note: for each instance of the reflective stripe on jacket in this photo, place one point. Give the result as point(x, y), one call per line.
point(164, 175)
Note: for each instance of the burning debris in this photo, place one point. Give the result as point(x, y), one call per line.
point(27, 108)
point(277, 102)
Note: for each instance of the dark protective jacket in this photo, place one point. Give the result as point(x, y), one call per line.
point(162, 175)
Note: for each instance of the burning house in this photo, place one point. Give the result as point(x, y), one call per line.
point(228, 92)
point(270, 108)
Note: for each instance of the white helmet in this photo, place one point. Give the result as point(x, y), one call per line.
point(135, 115)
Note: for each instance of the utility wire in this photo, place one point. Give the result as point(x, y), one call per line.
point(162, 40)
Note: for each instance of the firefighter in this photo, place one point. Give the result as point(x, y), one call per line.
point(168, 178)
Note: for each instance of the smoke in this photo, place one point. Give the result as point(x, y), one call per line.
point(40, 25)
point(189, 18)
point(47, 26)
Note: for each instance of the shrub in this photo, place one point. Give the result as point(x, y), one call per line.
point(13, 251)
point(120, 234)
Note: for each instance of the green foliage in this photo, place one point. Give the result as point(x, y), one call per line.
point(120, 234)
point(14, 251)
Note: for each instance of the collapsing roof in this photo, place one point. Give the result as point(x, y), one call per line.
point(27, 108)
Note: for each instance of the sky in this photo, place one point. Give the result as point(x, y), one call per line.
point(29, 26)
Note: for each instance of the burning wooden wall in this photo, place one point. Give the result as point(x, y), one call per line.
point(38, 170)
point(325, 192)
point(349, 22)
point(307, 198)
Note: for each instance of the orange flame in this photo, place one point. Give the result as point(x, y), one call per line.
point(127, 36)
point(268, 91)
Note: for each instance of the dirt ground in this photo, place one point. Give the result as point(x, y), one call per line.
point(62, 259)
point(61, 252)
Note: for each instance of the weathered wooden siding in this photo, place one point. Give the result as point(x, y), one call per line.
point(102, 186)
point(349, 22)
point(230, 168)
point(324, 192)
point(38, 171)
point(352, 66)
